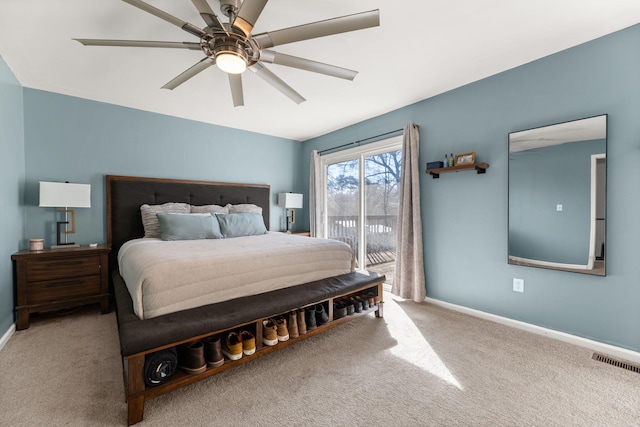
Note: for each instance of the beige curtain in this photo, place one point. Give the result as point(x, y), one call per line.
point(408, 279)
point(315, 196)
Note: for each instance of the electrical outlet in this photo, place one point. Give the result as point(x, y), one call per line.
point(518, 285)
point(559, 207)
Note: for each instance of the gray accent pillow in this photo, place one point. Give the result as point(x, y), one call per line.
point(150, 221)
point(212, 209)
point(241, 224)
point(178, 226)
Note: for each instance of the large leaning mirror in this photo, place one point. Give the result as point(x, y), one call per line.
point(557, 196)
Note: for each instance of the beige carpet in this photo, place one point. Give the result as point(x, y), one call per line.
point(421, 365)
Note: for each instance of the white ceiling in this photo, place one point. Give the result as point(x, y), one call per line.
point(422, 48)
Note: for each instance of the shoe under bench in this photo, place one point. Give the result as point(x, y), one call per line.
point(139, 338)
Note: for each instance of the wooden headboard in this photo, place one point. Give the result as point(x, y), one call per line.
point(125, 195)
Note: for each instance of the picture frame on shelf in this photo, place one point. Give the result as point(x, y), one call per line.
point(462, 159)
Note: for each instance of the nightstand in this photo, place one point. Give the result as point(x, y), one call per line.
point(61, 278)
point(300, 233)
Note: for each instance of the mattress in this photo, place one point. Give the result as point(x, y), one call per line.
point(168, 276)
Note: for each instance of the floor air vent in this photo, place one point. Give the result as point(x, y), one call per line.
point(619, 363)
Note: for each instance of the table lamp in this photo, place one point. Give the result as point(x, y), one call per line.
point(290, 201)
point(65, 195)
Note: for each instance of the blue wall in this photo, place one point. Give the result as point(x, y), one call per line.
point(81, 141)
point(464, 215)
point(539, 179)
point(12, 172)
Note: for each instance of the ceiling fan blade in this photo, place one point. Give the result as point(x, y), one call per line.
point(273, 57)
point(248, 15)
point(235, 81)
point(186, 75)
point(266, 75)
point(313, 30)
point(208, 15)
point(139, 43)
point(190, 28)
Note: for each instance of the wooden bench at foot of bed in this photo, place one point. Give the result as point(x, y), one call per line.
point(139, 338)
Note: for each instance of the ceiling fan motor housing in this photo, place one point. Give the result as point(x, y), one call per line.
point(223, 44)
point(230, 46)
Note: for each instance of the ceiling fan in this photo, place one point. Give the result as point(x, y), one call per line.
point(232, 47)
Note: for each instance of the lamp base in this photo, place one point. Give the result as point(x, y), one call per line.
point(65, 246)
point(59, 231)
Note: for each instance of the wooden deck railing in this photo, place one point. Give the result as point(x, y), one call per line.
point(380, 235)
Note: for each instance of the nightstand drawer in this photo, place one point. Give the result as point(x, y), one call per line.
point(38, 270)
point(63, 289)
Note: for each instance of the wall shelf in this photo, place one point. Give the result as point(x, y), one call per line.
point(479, 167)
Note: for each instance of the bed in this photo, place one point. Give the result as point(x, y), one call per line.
point(147, 333)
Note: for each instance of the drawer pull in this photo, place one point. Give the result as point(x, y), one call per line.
point(70, 283)
point(54, 264)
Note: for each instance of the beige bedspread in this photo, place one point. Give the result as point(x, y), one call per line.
point(169, 276)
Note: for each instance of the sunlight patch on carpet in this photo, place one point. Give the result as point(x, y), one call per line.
point(414, 348)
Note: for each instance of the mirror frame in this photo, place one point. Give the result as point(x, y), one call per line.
point(540, 137)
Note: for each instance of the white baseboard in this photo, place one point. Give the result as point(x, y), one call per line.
point(7, 336)
point(619, 352)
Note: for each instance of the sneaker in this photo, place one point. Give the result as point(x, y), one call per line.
point(302, 325)
point(213, 352)
point(321, 315)
point(232, 346)
point(248, 342)
point(282, 332)
point(310, 317)
point(293, 325)
point(191, 358)
point(269, 334)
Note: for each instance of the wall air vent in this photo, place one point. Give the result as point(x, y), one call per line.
point(619, 363)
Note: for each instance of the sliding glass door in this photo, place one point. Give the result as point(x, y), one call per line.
point(361, 202)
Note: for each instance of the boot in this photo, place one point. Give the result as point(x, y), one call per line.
point(281, 329)
point(293, 325)
point(191, 358)
point(310, 317)
point(302, 325)
point(269, 332)
point(321, 315)
point(213, 352)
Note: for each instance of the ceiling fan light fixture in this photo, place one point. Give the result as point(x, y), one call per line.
point(231, 63)
point(231, 58)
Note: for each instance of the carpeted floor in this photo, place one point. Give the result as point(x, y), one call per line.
point(421, 365)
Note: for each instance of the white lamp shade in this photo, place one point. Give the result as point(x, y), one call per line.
point(64, 194)
point(290, 200)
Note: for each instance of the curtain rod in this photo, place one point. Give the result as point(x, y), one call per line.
point(359, 141)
